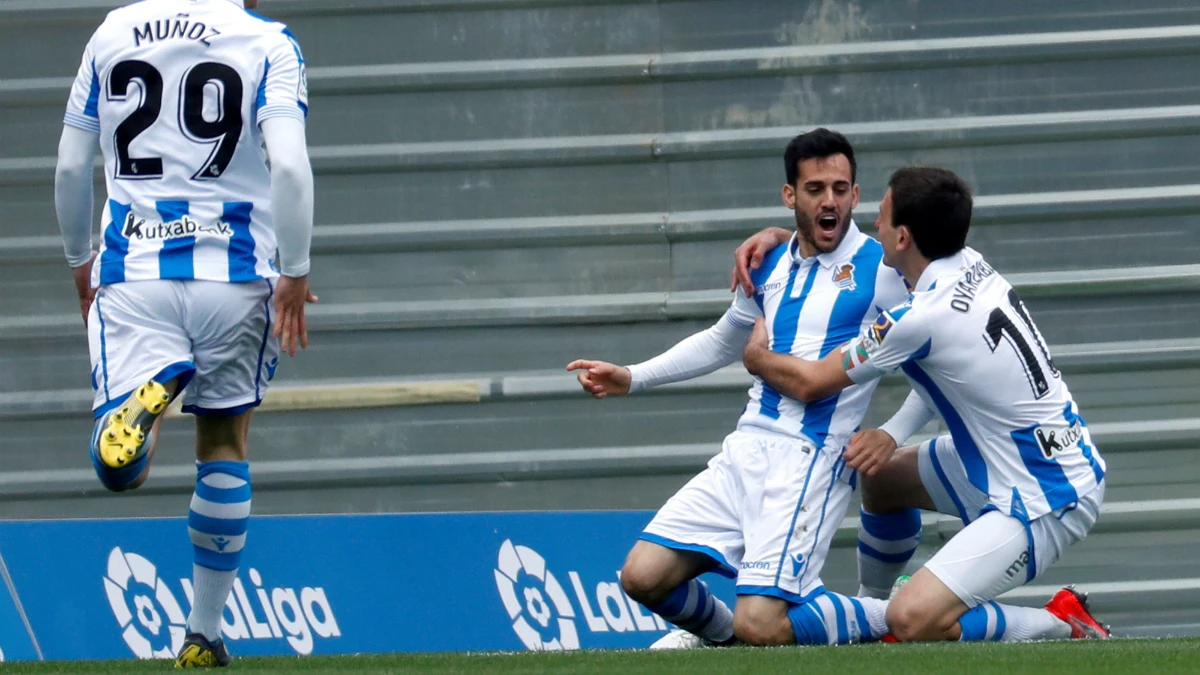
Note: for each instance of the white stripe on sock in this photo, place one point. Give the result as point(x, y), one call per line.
point(990, 633)
point(223, 481)
point(829, 616)
point(891, 546)
point(236, 511)
point(205, 540)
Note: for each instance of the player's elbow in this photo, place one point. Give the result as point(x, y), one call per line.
point(295, 174)
point(805, 391)
point(72, 171)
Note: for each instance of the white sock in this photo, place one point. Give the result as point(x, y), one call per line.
point(720, 629)
point(835, 619)
point(210, 590)
point(1009, 623)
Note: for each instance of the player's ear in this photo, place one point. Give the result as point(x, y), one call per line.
point(854, 196)
point(904, 238)
point(789, 196)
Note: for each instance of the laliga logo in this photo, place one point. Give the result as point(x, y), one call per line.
point(521, 565)
point(154, 626)
point(137, 595)
point(524, 584)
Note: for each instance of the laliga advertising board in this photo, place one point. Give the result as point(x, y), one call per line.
point(111, 589)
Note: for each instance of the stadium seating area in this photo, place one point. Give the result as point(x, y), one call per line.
point(503, 186)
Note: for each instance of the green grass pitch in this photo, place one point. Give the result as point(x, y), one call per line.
point(1142, 657)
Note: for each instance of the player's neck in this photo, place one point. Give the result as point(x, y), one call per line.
point(911, 268)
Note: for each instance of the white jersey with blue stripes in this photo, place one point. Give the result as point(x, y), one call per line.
point(812, 306)
point(968, 345)
point(176, 89)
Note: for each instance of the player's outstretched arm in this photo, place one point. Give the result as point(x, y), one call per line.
point(793, 377)
point(749, 256)
point(601, 378)
point(73, 201)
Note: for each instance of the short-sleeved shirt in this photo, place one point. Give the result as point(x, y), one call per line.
point(812, 306)
point(177, 90)
point(971, 350)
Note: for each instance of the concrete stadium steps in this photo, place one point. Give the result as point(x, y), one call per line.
point(360, 480)
point(417, 30)
point(1042, 153)
point(542, 423)
point(803, 84)
point(424, 337)
point(1051, 241)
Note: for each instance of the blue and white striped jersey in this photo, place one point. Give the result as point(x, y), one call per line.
point(813, 306)
point(971, 350)
point(176, 89)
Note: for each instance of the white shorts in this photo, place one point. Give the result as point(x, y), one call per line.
point(765, 509)
point(995, 552)
point(214, 336)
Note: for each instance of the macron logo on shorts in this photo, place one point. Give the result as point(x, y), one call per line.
point(797, 563)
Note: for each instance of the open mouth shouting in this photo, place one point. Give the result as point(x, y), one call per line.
point(827, 228)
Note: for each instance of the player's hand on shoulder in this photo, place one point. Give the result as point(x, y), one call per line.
point(601, 378)
point(749, 256)
point(869, 450)
point(291, 328)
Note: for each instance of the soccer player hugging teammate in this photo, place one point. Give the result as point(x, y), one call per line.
point(184, 295)
point(1018, 466)
point(766, 508)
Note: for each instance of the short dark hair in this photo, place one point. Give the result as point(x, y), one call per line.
point(820, 142)
point(935, 205)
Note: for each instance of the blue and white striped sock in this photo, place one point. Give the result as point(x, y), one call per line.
point(217, 524)
point(995, 622)
point(692, 607)
point(836, 619)
point(886, 542)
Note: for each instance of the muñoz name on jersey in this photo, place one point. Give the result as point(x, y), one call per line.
point(176, 89)
point(812, 306)
point(971, 350)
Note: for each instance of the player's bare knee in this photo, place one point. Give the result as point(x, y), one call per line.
point(761, 624)
point(639, 581)
point(912, 622)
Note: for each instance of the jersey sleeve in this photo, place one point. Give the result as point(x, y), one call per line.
point(898, 336)
point(744, 311)
point(82, 106)
point(283, 90)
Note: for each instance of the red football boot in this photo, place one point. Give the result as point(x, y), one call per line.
point(1071, 607)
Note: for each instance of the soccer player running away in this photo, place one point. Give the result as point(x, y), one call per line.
point(1018, 466)
point(184, 295)
point(766, 508)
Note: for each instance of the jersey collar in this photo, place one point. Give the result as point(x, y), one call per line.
point(844, 252)
point(239, 3)
point(950, 266)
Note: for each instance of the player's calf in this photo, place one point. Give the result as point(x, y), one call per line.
point(912, 622)
point(925, 609)
point(662, 579)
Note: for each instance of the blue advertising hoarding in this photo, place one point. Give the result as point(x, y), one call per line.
point(105, 589)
